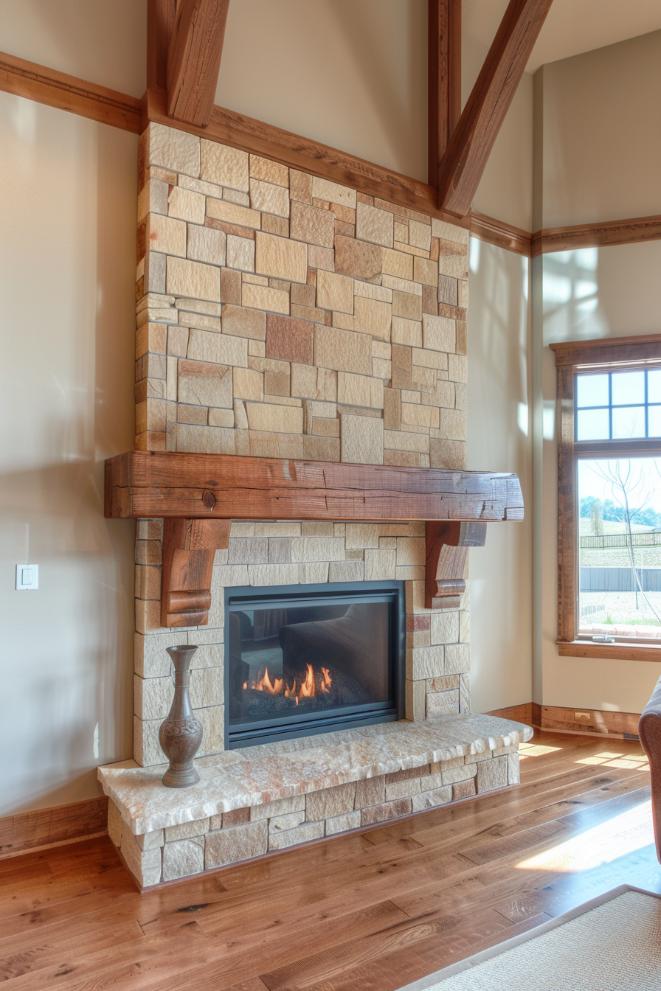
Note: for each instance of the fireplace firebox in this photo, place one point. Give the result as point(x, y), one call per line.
point(303, 659)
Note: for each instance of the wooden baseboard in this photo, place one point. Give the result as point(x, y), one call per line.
point(584, 722)
point(52, 827)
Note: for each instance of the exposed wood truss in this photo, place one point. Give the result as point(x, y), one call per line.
point(444, 70)
point(468, 151)
point(194, 59)
point(198, 494)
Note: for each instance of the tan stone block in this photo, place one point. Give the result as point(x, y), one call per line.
point(432, 799)
point(228, 846)
point(407, 305)
point(414, 415)
point(453, 260)
point(206, 245)
point(269, 197)
point(403, 440)
point(282, 806)
point(416, 700)
point(183, 858)
point(362, 439)
point(237, 817)
point(248, 384)
point(452, 424)
point(388, 810)
point(330, 802)
point(392, 409)
point(264, 298)
point(186, 830)
point(370, 791)
point(167, 235)
point(277, 419)
point(289, 339)
point(205, 440)
point(334, 292)
point(300, 186)
point(309, 223)
point(398, 264)
point(343, 823)
point(202, 383)
point(264, 168)
point(357, 258)
point(186, 205)
point(342, 350)
point(304, 550)
point(442, 704)
point(241, 322)
point(281, 258)
point(321, 258)
point(174, 149)
point(446, 453)
point(292, 837)
point(240, 253)
point(373, 317)
point(324, 189)
point(438, 333)
point(457, 368)
point(444, 626)
point(425, 662)
point(233, 213)
point(187, 278)
point(230, 286)
point(420, 235)
point(374, 225)
point(220, 348)
point(224, 165)
point(425, 271)
point(380, 565)
point(313, 383)
point(359, 390)
point(145, 865)
point(491, 774)
point(408, 332)
point(457, 658)
point(280, 824)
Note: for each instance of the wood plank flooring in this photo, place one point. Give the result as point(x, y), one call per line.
point(370, 911)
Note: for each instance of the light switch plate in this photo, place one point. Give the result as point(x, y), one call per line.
point(27, 577)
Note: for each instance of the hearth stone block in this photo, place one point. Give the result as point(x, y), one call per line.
point(228, 846)
point(513, 768)
point(279, 824)
point(183, 858)
point(370, 791)
point(455, 773)
point(281, 806)
point(463, 789)
point(152, 840)
point(385, 811)
point(234, 818)
point(492, 774)
point(403, 789)
point(145, 865)
point(330, 802)
point(430, 799)
point(292, 837)
point(186, 830)
point(442, 703)
point(343, 823)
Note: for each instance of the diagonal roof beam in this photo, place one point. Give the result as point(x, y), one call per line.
point(444, 71)
point(194, 57)
point(492, 94)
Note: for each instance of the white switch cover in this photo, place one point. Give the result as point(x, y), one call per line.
point(27, 577)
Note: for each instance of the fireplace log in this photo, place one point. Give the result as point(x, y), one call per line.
point(197, 495)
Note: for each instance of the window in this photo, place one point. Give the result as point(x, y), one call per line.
point(609, 501)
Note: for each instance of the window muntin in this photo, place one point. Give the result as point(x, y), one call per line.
point(618, 405)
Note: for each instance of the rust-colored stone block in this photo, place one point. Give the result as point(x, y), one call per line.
point(289, 339)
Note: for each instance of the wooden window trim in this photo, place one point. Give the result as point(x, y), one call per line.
point(570, 358)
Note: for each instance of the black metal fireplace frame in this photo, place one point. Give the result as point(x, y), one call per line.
point(268, 731)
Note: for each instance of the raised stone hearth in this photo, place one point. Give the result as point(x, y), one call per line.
point(263, 799)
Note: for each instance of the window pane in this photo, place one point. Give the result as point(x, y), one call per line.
point(654, 386)
point(654, 423)
point(592, 424)
point(592, 390)
point(628, 388)
point(629, 421)
point(620, 548)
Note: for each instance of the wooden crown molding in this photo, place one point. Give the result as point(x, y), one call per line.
point(57, 89)
point(596, 235)
point(500, 233)
point(197, 495)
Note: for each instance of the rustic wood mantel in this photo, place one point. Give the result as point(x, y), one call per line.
point(199, 494)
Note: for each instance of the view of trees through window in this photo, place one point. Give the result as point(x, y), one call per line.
point(619, 548)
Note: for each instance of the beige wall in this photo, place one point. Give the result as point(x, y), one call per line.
point(602, 141)
point(67, 203)
point(499, 438)
point(102, 42)
point(591, 293)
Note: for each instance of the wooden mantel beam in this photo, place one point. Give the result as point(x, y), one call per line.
point(444, 73)
point(492, 94)
point(197, 495)
point(184, 49)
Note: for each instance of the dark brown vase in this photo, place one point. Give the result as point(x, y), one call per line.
point(180, 734)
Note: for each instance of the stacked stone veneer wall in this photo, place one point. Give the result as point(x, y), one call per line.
point(220, 840)
point(283, 315)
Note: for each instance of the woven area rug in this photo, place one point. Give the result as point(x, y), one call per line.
point(612, 943)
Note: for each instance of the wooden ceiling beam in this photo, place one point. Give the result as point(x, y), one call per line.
point(193, 61)
point(469, 148)
point(161, 20)
point(444, 75)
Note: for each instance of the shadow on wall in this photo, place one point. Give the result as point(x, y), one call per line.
point(66, 278)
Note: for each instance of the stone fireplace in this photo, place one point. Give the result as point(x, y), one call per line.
point(282, 315)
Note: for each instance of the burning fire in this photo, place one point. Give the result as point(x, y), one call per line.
point(314, 683)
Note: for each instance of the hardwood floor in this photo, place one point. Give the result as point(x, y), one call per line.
point(370, 911)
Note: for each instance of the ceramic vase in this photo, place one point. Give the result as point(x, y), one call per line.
point(180, 734)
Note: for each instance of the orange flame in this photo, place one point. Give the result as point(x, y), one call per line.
point(312, 685)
